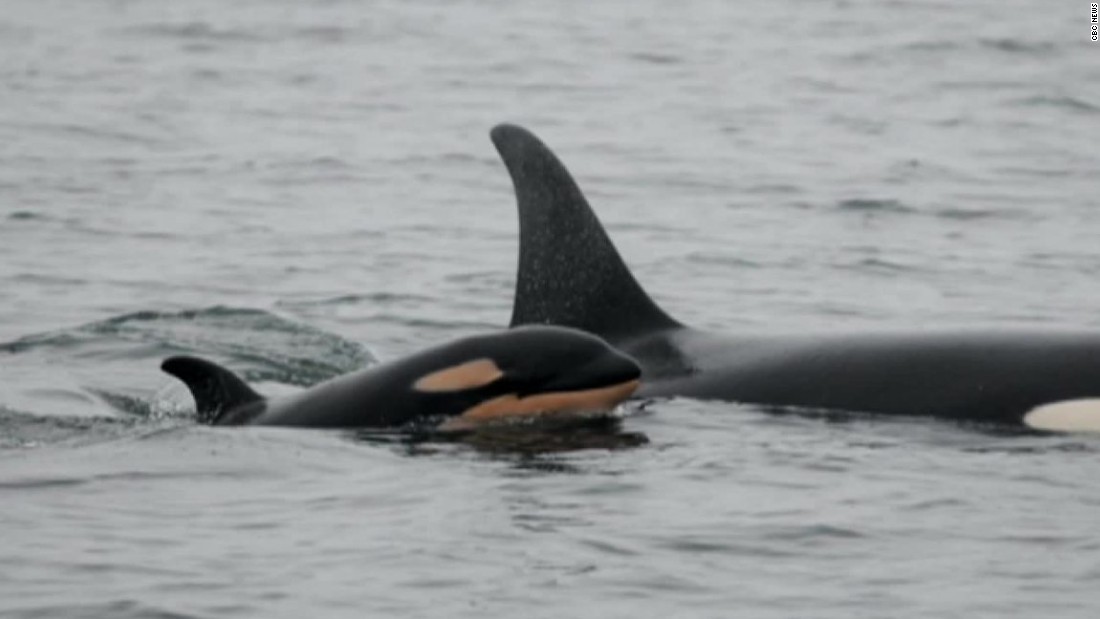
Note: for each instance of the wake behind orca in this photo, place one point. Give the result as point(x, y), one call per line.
point(570, 274)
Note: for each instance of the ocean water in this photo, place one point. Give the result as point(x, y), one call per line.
point(299, 189)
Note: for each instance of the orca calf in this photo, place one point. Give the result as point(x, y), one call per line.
point(570, 274)
point(514, 374)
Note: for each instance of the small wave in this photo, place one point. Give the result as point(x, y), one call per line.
point(935, 504)
point(450, 157)
point(968, 214)
point(20, 430)
point(1010, 46)
point(1064, 102)
point(322, 163)
point(814, 532)
point(43, 483)
point(696, 257)
point(382, 298)
point(99, 132)
point(195, 31)
point(47, 279)
point(27, 216)
point(774, 189)
point(432, 324)
point(878, 265)
point(983, 84)
point(654, 58)
point(121, 609)
point(1017, 46)
point(932, 46)
point(874, 205)
point(38, 481)
point(699, 544)
point(649, 227)
point(1041, 445)
point(1036, 172)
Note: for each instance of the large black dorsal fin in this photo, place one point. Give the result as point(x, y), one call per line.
point(569, 271)
point(216, 390)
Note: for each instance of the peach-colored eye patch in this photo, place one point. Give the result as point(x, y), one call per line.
point(469, 375)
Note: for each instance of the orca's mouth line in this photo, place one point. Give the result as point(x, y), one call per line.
point(547, 404)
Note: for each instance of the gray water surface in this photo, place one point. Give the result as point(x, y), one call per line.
point(299, 189)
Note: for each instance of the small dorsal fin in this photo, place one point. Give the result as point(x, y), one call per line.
point(216, 390)
point(569, 271)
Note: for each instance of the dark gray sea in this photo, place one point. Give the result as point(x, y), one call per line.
point(297, 189)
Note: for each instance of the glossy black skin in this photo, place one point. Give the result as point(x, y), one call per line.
point(991, 376)
point(534, 360)
point(571, 274)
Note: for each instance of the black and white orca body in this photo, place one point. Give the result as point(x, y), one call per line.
point(518, 373)
point(570, 274)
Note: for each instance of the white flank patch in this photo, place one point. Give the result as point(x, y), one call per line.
point(1067, 416)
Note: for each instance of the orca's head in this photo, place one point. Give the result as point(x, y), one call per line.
point(529, 372)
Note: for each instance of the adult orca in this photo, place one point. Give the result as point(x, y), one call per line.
point(571, 274)
point(519, 373)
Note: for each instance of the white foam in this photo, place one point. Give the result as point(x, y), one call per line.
point(1066, 416)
